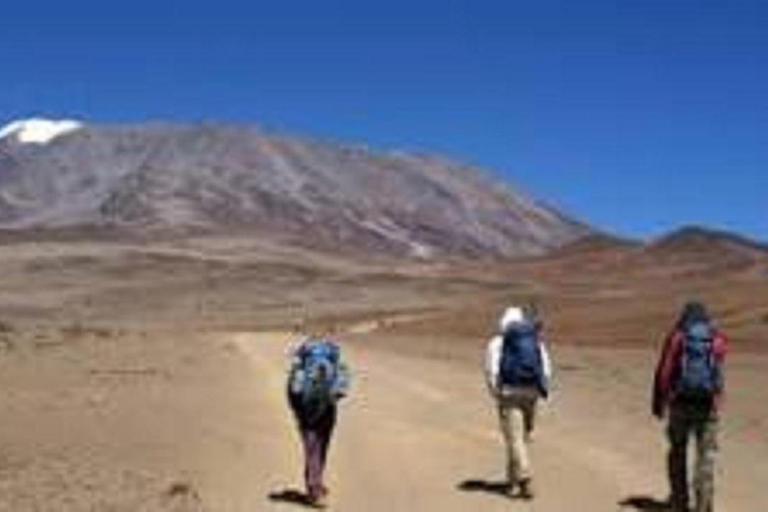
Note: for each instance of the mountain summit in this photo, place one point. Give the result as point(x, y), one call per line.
point(38, 131)
point(212, 177)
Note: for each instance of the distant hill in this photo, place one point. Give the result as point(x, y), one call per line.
point(689, 251)
point(697, 249)
point(699, 240)
point(62, 174)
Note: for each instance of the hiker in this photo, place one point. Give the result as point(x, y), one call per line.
point(689, 384)
point(518, 373)
point(318, 379)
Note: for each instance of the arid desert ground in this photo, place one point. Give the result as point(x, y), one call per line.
point(148, 375)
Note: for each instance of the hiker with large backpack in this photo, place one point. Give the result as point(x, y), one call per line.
point(318, 379)
point(689, 385)
point(518, 373)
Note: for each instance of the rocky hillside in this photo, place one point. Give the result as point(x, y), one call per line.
point(213, 177)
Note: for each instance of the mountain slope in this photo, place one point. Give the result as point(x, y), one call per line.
point(215, 177)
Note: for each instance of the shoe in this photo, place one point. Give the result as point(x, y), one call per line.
point(318, 501)
point(526, 489)
point(678, 505)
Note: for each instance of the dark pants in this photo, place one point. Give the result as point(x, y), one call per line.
point(686, 420)
point(316, 435)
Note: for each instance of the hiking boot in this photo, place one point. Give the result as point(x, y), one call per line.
point(526, 489)
point(678, 505)
point(318, 500)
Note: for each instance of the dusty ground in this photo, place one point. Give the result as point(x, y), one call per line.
point(170, 421)
point(140, 378)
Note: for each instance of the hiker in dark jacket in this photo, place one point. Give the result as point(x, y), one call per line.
point(318, 380)
point(689, 384)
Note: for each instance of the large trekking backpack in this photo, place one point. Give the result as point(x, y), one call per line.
point(699, 372)
point(315, 377)
point(521, 363)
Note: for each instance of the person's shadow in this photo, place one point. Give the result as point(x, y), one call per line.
point(499, 488)
point(645, 504)
point(292, 496)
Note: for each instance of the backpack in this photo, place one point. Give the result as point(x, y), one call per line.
point(521, 363)
point(314, 379)
point(699, 373)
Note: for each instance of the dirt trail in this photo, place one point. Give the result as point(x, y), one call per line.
point(421, 435)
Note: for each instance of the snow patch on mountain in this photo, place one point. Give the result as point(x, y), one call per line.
point(38, 131)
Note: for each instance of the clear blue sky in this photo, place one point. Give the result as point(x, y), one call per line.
point(635, 115)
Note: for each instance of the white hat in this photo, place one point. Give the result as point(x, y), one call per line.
point(512, 315)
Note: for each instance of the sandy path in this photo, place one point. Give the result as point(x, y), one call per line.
point(198, 423)
point(414, 430)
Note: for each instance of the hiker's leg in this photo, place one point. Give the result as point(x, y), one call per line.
point(325, 432)
point(305, 443)
point(520, 461)
point(704, 478)
point(506, 432)
point(677, 432)
point(528, 401)
point(313, 461)
point(529, 417)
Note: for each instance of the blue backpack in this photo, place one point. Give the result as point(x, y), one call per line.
point(316, 379)
point(521, 363)
point(699, 373)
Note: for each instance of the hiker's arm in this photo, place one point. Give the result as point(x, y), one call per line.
point(719, 350)
point(492, 356)
point(295, 373)
point(341, 386)
point(657, 405)
point(663, 376)
point(546, 367)
point(546, 362)
point(294, 352)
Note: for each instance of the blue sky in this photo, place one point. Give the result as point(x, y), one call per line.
point(637, 115)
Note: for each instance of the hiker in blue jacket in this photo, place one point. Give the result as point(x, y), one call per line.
point(518, 372)
point(318, 379)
